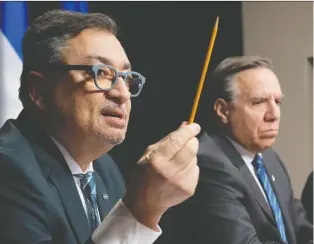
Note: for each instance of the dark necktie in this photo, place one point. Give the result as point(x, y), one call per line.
point(88, 187)
point(271, 197)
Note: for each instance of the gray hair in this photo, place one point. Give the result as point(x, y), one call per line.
point(225, 72)
point(223, 85)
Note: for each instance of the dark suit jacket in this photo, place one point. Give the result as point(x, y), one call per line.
point(307, 197)
point(39, 201)
point(228, 206)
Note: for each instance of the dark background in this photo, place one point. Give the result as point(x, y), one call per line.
point(167, 43)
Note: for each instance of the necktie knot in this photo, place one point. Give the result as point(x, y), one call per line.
point(87, 182)
point(84, 177)
point(258, 162)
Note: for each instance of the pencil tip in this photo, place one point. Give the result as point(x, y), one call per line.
point(217, 22)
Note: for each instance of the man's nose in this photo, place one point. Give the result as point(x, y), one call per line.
point(273, 112)
point(120, 91)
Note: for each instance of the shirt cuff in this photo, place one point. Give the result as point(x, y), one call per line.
point(120, 227)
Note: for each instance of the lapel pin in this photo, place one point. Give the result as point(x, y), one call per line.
point(273, 177)
point(105, 196)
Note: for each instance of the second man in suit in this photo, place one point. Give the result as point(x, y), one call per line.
point(244, 194)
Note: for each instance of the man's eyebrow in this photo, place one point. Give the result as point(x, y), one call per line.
point(104, 60)
point(263, 98)
point(279, 96)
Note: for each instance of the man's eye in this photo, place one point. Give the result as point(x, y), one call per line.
point(102, 72)
point(279, 102)
point(257, 102)
point(105, 72)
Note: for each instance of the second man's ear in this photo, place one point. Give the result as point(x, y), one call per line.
point(222, 110)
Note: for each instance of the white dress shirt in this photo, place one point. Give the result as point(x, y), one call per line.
point(248, 158)
point(119, 226)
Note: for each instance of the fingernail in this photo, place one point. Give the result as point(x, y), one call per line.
point(183, 124)
point(195, 127)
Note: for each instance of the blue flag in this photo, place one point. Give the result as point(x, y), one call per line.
point(13, 24)
point(78, 6)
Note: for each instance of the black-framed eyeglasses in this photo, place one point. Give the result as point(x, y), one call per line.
point(106, 76)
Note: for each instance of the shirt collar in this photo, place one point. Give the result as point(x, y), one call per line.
point(73, 165)
point(247, 156)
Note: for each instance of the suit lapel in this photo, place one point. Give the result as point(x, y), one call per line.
point(260, 199)
point(270, 161)
point(237, 160)
point(71, 201)
point(103, 199)
point(60, 175)
point(63, 181)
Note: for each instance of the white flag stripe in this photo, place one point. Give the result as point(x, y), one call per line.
point(11, 68)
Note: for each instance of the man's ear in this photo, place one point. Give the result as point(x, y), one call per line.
point(37, 89)
point(222, 110)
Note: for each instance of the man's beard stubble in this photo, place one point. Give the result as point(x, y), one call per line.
point(56, 120)
point(106, 137)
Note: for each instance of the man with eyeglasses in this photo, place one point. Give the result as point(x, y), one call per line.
point(57, 184)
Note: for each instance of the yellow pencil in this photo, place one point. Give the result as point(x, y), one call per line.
point(204, 71)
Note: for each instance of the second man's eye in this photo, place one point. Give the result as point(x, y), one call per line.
point(257, 102)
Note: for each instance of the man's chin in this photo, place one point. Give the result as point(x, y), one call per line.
point(268, 142)
point(110, 136)
point(117, 140)
point(114, 138)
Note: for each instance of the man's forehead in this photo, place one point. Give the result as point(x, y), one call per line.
point(121, 64)
point(98, 46)
point(260, 80)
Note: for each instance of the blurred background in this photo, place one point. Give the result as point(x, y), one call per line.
point(167, 43)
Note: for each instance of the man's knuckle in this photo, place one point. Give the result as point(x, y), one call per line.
point(150, 148)
point(174, 141)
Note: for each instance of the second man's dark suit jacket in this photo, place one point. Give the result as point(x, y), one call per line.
point(228, 206)
point(39, 201)
point(307, 197)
